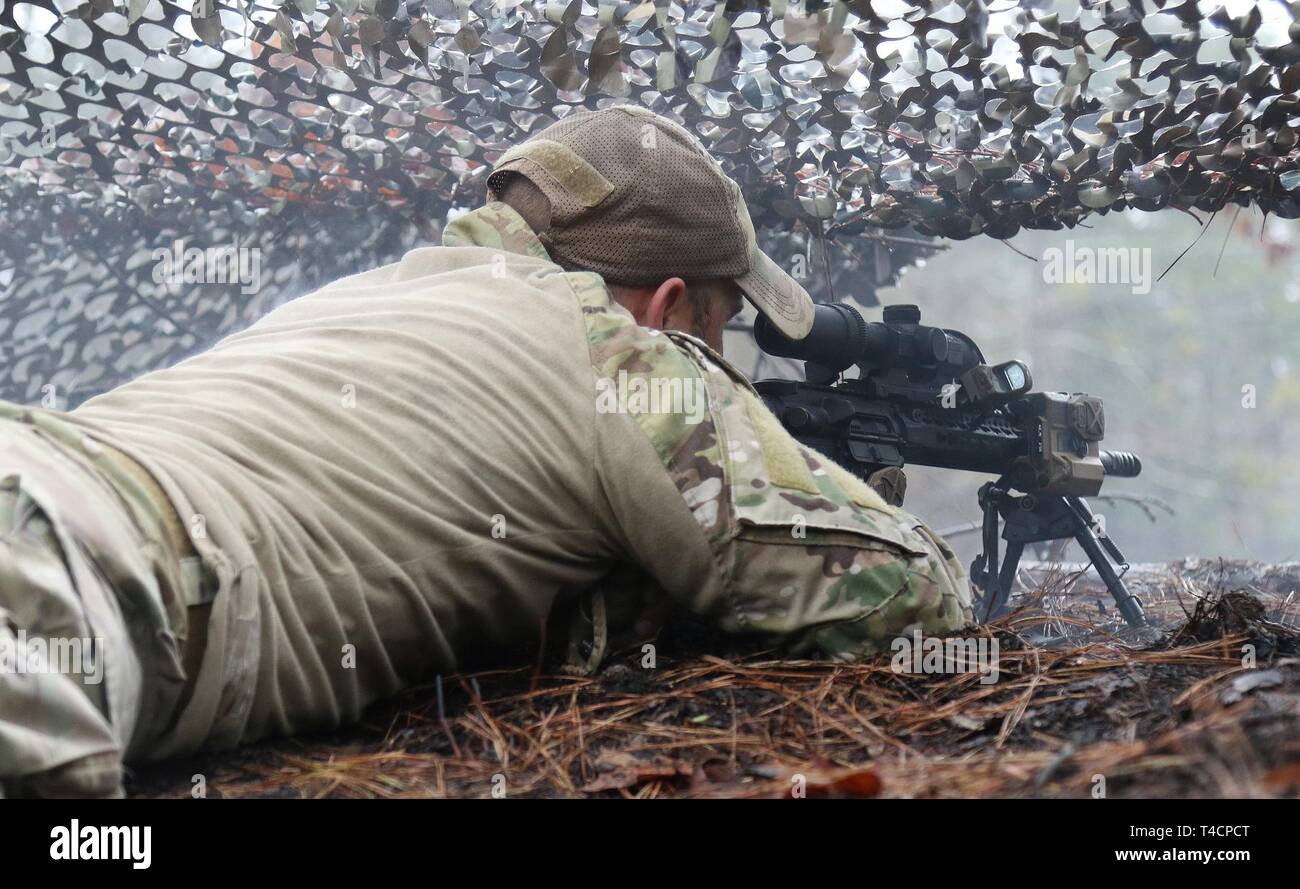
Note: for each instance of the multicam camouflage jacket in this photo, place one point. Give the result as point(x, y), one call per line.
point(454, 460)
point(799, 552)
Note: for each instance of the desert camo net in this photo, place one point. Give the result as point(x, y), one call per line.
point(332, 136)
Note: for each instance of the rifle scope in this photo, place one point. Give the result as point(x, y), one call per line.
point(841, 337)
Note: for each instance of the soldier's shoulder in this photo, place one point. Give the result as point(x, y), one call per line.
point(641, 373)
point(496, 226)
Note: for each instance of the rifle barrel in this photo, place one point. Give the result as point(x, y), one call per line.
point(1122, 464)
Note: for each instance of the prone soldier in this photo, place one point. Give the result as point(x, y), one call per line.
point(436, 465)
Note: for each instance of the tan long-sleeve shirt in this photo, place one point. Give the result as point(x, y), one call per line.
point(405, 472)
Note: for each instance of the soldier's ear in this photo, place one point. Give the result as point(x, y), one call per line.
point(668, 307)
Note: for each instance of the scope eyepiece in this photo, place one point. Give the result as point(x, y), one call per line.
point(837, 341)
point(841, 337)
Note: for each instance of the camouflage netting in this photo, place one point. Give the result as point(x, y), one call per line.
point(334, 135)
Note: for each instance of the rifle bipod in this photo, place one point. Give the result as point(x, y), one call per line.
point(1031, 518)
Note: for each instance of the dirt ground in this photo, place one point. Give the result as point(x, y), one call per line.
point(1204, 703)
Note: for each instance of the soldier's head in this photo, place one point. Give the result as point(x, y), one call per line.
point(634, 197)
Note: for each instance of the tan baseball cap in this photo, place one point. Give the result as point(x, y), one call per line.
point(637, 199)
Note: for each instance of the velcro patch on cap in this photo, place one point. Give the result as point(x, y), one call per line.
point(562, 164)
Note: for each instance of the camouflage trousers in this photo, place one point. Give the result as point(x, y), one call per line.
point(92, 609)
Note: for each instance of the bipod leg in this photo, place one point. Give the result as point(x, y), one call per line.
point(993, 582)
point(1098, 549)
